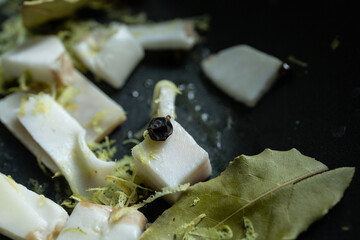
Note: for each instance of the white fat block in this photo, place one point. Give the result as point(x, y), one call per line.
point(242, 72)
point(9, 110)
point(26, 214)
point(63, 139)
point(177, 160)
point(45, 58)
point(92, 103)
point(92, 222)
point(111, 54)
point(175, 34)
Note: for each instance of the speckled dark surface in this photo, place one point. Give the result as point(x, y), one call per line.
point(315, 109)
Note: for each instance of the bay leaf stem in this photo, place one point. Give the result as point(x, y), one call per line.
point(293, 181)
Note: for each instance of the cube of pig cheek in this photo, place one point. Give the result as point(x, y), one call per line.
point(178, 160)
point(27, 215)
point(116, 59)
point(88, 219)
point(86, 109)
point(242, 72)
point(176, 34)
point(129, 227)
point(92, 222)
point(63, 139)
point(44, 57)
point(9, 110)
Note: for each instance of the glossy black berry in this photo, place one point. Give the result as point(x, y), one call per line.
point(160, 128)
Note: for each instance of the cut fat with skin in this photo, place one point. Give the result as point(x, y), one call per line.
point(110, 53)
point(36, 55)
point(98, 117)
point(176, 34)
point(63, 139)
point(164, 99)
point(242, 72)
point(90, 221)
point(9, 110)
point(45, 58)
point(95, 111)
point(27, 215)
point(178, 159)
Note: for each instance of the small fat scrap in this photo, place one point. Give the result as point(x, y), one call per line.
point(160, 128)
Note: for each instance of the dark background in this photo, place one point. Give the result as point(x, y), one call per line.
point(316, 109)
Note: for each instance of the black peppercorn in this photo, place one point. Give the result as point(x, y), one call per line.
point(160, 128)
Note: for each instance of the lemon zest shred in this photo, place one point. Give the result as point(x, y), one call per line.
point(41, 200)
point(78, 230)
point(13, 184)
point(65, 96)
point(164, 191)
point(57, 174)
point(103, 151)
point(41, 166)
point(196, 201)
point(130, 140)
point(95, 121)
point(21, 112)
point(250, 233)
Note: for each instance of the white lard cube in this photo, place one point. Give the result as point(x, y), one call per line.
point(242, 72)
point(92, 222)
point(45, 58)
point(26, 214)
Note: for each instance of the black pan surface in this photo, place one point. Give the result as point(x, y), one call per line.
point(315, 109)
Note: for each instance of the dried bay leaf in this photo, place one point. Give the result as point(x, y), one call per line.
point(281, 193)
